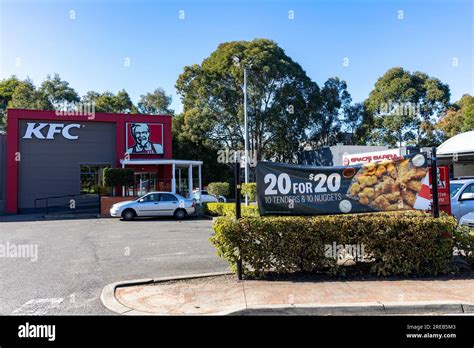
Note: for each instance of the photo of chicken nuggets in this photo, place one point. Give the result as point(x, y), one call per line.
point(388, 185)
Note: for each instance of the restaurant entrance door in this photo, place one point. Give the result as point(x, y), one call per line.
point(144, 183)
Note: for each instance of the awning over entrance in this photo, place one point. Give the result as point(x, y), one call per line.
point(460, 144)
point(459, 148)
point(176, 164)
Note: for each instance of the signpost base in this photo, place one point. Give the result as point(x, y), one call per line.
point(238, 213)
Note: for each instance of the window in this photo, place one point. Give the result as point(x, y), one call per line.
point(166, 197)
point(454, 188)
point(91, 178)
point(144, 183)
point(469, 189)
point(153, 197)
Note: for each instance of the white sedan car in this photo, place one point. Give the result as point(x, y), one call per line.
point(207, 198)
point(154, 204)
point(468, 220)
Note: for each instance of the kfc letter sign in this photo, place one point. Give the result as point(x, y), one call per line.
point(35, 130)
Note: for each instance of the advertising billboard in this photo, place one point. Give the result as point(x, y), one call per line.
point(144, 138)
point(360, 158)
point(388, 185)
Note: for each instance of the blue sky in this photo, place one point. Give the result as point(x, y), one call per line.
point(90, 50)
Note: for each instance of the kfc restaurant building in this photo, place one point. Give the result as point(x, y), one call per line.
point(51, 158)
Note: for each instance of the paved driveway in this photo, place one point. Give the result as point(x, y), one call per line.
point(77, 258)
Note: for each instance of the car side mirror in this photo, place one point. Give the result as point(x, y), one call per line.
point(141, 200)
point(467, 196)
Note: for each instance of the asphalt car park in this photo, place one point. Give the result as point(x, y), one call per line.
point(76, 258)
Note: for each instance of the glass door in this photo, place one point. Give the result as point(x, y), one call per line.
point(144, 183)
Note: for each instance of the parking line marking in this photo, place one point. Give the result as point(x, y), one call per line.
point(39, 306)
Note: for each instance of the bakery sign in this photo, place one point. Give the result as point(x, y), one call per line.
point(386, 185)
point(366, 157)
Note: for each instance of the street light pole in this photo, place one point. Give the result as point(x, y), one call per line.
point(246, 126)
point(246, 131)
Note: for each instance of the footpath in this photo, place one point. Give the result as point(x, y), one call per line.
point(223, 294)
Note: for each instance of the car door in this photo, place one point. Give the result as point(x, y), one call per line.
point(149, 205)
point(168, 204)
point(207, 198)
point(466, 205)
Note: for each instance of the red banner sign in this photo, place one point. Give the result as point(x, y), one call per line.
point(444, 197)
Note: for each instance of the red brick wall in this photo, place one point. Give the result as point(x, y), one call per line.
point(107, 202)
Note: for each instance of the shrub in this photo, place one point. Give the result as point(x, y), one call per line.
point(464, 242)
point(113, 177)
point(228, 209)
point(218, 188)
point(250, 190)
point(408, 243)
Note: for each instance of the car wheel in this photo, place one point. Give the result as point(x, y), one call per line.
point(220, 200)
point(128, 215)
point(180, 214)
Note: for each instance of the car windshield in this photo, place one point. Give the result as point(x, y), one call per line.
point(454, 188)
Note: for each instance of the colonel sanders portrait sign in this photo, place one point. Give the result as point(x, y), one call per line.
point(144, 138)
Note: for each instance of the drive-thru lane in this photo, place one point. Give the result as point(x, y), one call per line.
point(77, 258)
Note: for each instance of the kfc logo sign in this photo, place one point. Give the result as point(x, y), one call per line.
point(144, 138)
point(49, 130)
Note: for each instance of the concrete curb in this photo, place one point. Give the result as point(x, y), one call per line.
point(109, 300)
point(364, 308)
point(71, 216)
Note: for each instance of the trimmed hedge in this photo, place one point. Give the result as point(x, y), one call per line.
point(218, 188)
point(250, 190)
point(408, 243)
point(464, 242)
point(118, 176)
point(228, 209)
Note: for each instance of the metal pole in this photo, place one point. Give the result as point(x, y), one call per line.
point(246, 131)
point(200, 184)
point(434, 184)
point(237, 212)
point(237, 190)
point(190, 181)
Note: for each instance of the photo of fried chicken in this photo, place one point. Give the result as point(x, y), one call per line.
point(388, 185)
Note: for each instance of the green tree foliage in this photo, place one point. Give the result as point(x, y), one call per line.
point(458, 118)
point(27, 96)
point(55, 93)
point(405, 106)
point(326, 126)
point(467, 108)
point(282, 99)
point(58, 92)
point(15, 93)
point(155, 103)
point(109, 102)
point(200, 150)
point(7, 87)
point(357, 123)
point(451, 123)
